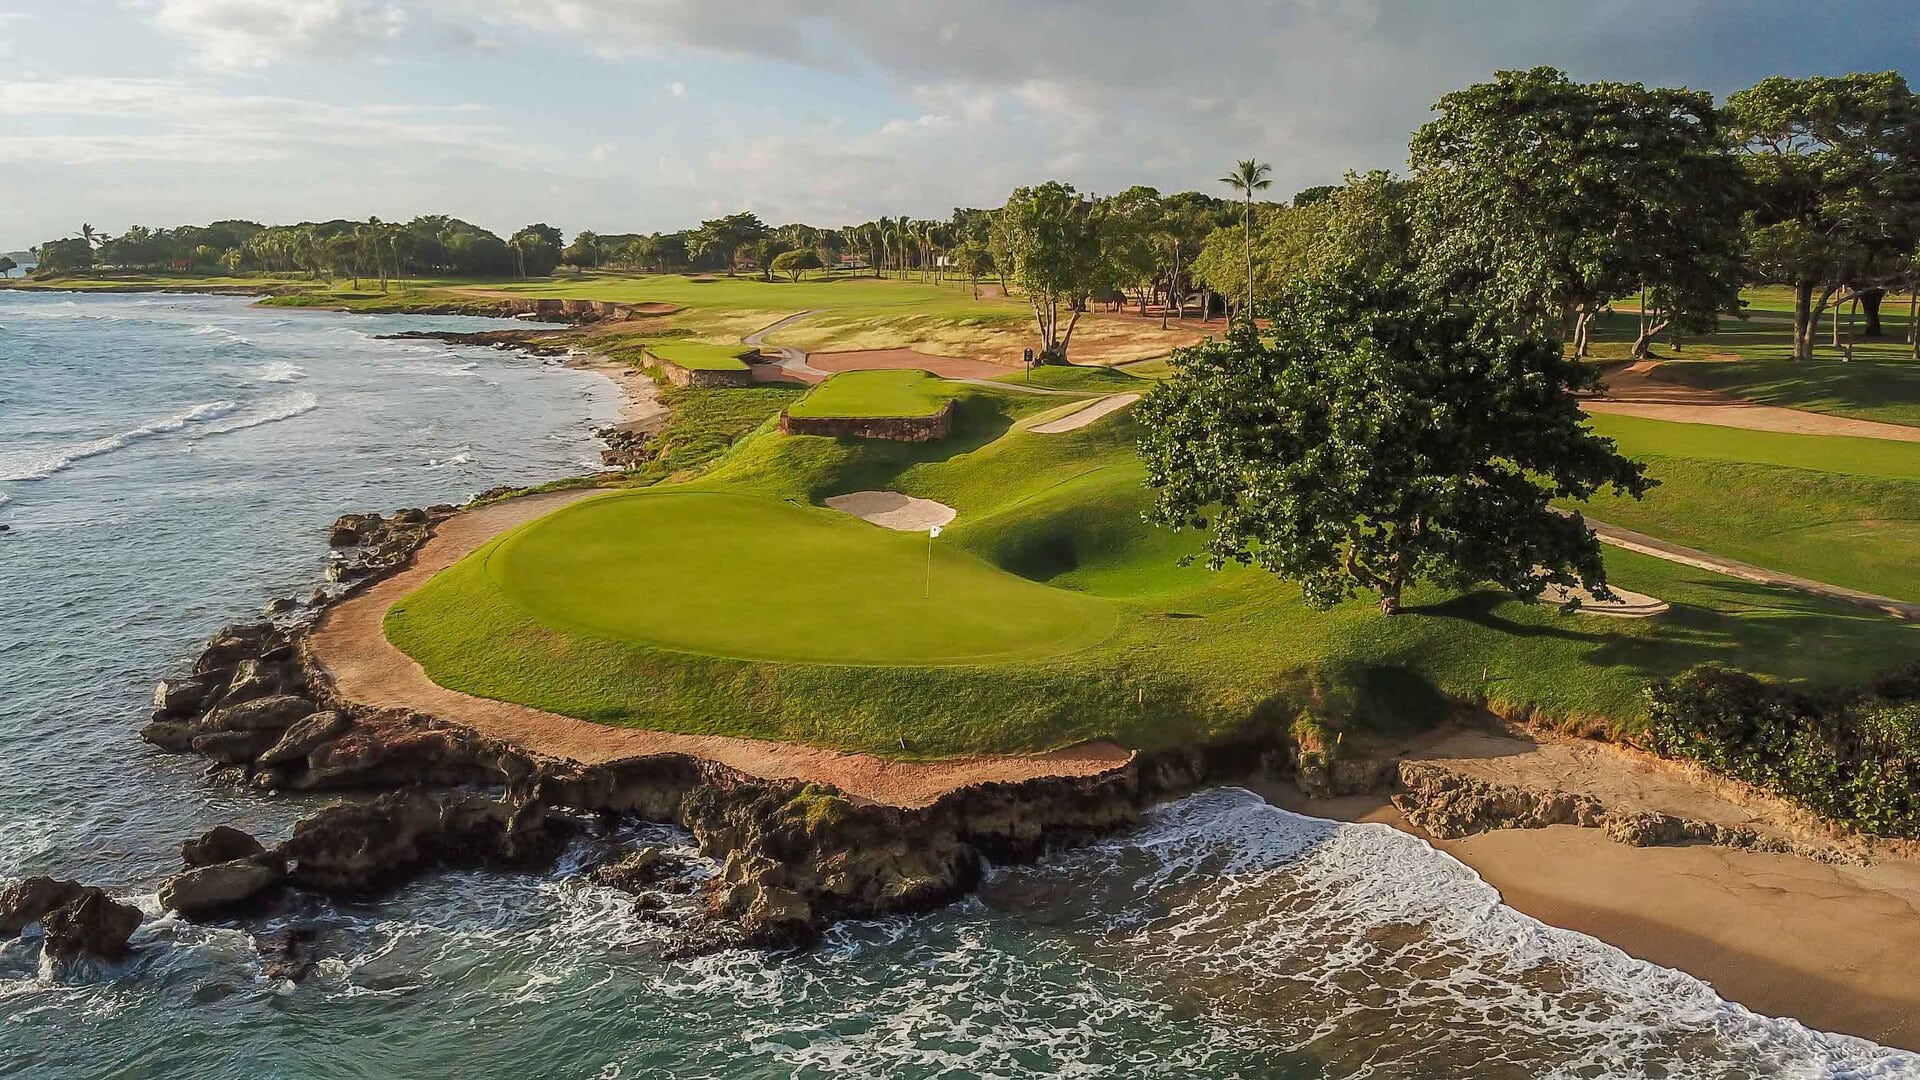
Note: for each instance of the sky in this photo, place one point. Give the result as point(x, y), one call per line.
point(644, 115)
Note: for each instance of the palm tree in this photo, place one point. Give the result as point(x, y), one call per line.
point(1248, 177)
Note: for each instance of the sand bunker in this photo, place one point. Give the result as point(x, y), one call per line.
point(892, 510)
point(1625, 605)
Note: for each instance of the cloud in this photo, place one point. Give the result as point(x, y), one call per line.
point(171, 120)
point(233, 35)
point(677, 88)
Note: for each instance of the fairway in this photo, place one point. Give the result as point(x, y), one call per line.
point(736, 576)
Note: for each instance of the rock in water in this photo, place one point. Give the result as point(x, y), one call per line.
point(303, 738)
point(207, 890)
point(93, 925)
point(26, 900)
point(77, 919)
point(274, 713)
point(222, 843)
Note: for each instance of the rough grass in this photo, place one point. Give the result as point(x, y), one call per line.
point(1192, 652)
point(872, 394)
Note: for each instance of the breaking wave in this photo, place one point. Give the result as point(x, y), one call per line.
point(282, 408)
point(281, 371)
point(37, 463)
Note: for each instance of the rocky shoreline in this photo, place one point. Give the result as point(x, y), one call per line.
point(793, 857)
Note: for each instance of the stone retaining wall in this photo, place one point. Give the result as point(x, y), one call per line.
point(893, 428)
point(701, 377)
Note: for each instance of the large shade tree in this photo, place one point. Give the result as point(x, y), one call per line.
point(1539, 199)
point(1833, 163)
point(1372, 438)
point(1047, 240)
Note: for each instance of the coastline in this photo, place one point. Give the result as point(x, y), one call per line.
point(1782, 934)
point(1827, 944)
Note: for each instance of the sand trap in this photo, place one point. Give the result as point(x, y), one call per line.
point(1080, 418)
point(1625, 605)
point(892, 510)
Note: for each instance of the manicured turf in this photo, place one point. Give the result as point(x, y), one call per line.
point(1765, 333)
point(1191, 652)
point(734, 575)
point(699, 356)
point(869, 394)
point(1885, 391)
point(1710, 442)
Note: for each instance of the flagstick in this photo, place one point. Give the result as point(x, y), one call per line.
point(928, 593)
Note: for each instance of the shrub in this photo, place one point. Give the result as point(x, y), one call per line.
point(1853, 756)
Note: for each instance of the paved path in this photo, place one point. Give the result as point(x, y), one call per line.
point(1634, 390)
point(787, 358)
point(352, 646)
point(1081, 417)
point(1686, 556)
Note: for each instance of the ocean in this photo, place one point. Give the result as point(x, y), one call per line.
point(169, 464)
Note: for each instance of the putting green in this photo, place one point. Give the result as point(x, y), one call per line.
point(737, 576)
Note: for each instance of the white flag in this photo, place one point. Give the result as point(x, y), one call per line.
point(933, 532)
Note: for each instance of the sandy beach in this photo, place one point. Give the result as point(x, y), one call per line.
point(1831, 945)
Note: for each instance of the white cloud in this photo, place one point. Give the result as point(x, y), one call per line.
point(677, 88)
point(603, 152)
point(233, 35)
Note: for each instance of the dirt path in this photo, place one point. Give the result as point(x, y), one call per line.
point(350, 643)
point(1686, 556)
point(1633, 390)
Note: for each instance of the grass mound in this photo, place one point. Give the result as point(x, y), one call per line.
point(700, 356)
point(732, 575)
point(872, 394)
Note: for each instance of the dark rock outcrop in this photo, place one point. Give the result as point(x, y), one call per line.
point(75, 919)
point(95, 924)
point(208, 890)
point(222, 843)
point(363, 848)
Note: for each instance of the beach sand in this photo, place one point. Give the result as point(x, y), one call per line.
point(1835, 946)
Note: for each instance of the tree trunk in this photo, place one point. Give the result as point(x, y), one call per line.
point(1247, 235)
point(1803, 329)
point(1870, 303)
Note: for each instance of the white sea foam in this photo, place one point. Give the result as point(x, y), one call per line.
point(462, 456)
point(281, 371)
point(269, 411)
point(38, 463)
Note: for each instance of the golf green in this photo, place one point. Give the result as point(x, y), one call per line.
point(737, 576)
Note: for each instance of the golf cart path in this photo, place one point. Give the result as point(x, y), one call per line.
point(1634, 390)
point(1694, 557)
point(1081, 417)
point(787, 358)
point(350, 643)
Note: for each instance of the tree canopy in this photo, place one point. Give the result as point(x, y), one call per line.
point(1372, 438)
point(1049, 243)
point(1539, 200)
point(1833, 165)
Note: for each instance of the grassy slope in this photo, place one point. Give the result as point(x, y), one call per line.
point(1845, 511)
point(1193, 651)
point(875, 394)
